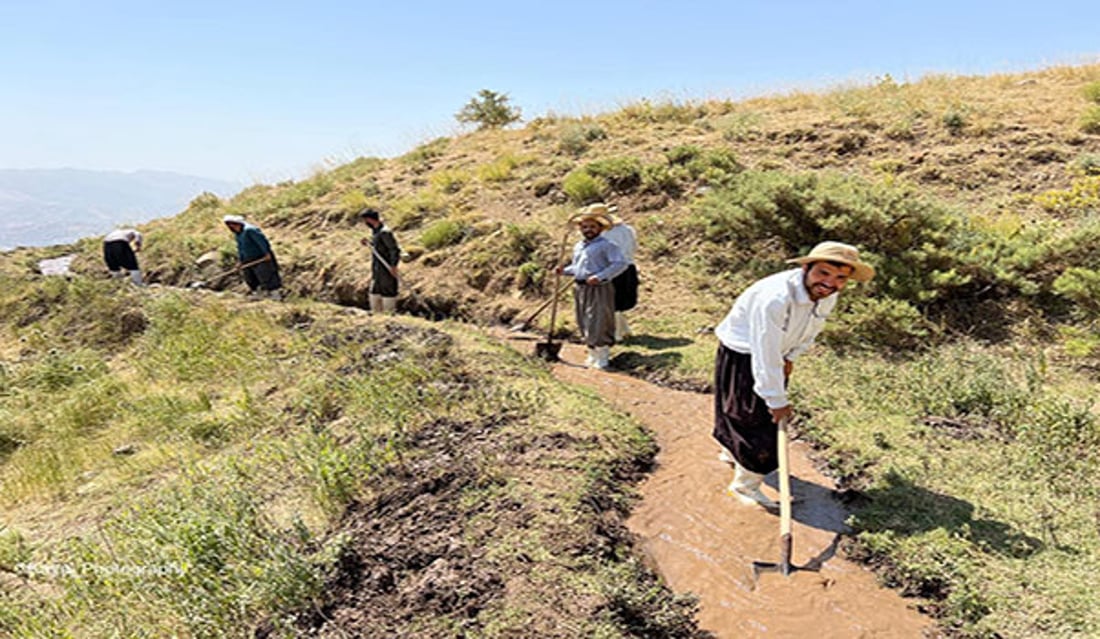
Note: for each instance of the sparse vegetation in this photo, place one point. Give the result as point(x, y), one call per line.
point(241, 449)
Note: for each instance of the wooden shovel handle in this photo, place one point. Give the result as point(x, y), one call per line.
point(782, 444)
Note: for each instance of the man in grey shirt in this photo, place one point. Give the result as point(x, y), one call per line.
point(596, 261)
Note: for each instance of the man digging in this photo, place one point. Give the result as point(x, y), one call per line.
point(772, 322)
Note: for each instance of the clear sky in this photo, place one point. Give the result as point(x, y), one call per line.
point(265, 91)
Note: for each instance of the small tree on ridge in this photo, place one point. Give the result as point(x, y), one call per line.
point(489, 110)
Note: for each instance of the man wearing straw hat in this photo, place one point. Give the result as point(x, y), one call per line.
point(596, 261)
point(772, 322)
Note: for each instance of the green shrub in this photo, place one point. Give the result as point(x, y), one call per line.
point(353, 201)
point(1082, 287)
point(1090, 120)
point(442, 234)
point(576, 138)
point(498, 170)
point(1092, 92)
point(410, 211)
point(876, 322)
point(420, 157)
point(714, 166)
point(664, 111)
point(584, 188)
point(683, 154)
point(662, 178)
point(961, 384)
point(954, 121)
point(450, 181)
point(934, 253)
point(205, 201)
point(738, 127)
point(1088, 164)
point(1055, 432)
point(530, 275)
point(623, 174)
point(523, 241)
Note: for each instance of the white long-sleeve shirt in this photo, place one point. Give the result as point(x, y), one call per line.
point(623, 236)
point(127, 235)
point(774, 320)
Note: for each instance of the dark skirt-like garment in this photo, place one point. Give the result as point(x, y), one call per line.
point(119, 255)
point(742, 421)
point(384, 283)
point(263, 276)
point(626, 289)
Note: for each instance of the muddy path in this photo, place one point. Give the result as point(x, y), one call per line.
point(704, 542)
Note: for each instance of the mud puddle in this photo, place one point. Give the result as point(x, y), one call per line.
point(704, 542)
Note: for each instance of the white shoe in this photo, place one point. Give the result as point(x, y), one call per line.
point(601, 358)
point(751, 496)
point(725, 457)
point(746, 488)
point(590, 361)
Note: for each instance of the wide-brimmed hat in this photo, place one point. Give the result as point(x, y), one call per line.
point(233, 219)
point(841, 253)
point(599, 212)
point(370, 214)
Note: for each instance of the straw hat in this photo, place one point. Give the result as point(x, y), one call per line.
point(840, 253)
point(599, 212)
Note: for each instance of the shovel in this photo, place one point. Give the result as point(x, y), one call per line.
point(525, 324)
point(202, 283)
point(784, 566)
point(549, 350)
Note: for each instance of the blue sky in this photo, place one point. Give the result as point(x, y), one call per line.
point(266, 91)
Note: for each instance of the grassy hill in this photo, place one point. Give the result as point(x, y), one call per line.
point(952, 397)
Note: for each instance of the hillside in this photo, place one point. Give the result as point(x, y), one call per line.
point(950, 400)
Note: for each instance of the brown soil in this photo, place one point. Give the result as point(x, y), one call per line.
point(412, 559)
point(704, 542)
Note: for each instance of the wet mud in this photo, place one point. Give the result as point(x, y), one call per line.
point(703, 541)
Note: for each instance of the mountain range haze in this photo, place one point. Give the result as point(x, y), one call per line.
point(41, 207)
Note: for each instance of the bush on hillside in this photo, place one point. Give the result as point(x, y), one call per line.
point(584, 188)
point(875, 322)
point(1092, 92)
point(622, 174)
point(442, 234)
point(576, 138)
point(419, 159)
point(1087, 164)
point(1090, 120)
point(205, 201)
point(1082, 287)
point(930, 247)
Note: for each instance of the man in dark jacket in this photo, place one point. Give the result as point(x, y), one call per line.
point(256, 260)
point(385, 255)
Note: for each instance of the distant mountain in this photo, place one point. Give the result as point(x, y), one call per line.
point(41, 207)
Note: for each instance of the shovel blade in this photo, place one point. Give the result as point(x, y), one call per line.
point(784, 566)
point(761, 567)
point(548, 351)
